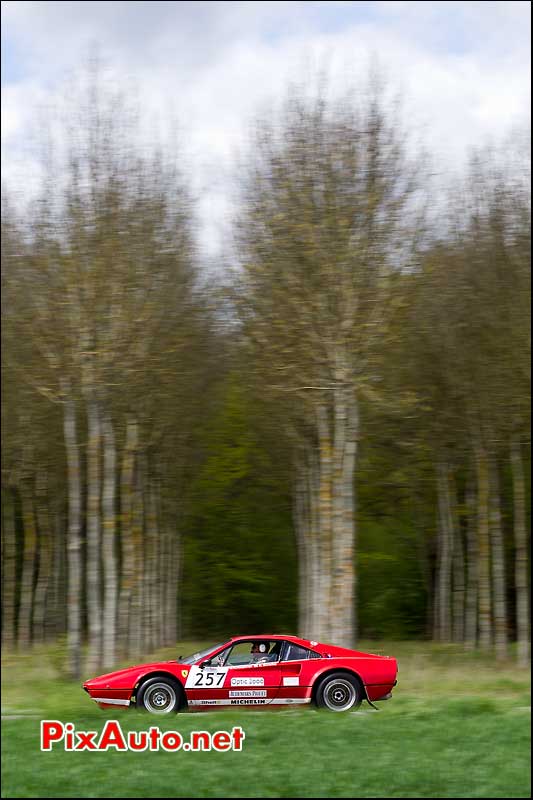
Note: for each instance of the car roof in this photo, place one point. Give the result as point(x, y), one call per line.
point(289, 636)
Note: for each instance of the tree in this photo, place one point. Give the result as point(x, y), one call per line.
point(325, 223)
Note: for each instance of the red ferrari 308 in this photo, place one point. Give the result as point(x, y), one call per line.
point(268, 670)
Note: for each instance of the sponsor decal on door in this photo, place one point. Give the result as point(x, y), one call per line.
point(248, 681)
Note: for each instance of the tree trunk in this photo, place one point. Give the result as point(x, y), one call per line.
point(9, 581)
point(484, 596)
point(74, 539)
point(94, 584)
point(444, 570)
point(322, 598)
point(343, 573)
point(162, 572)
point(45, 558)
point(314, 605)
point(310, 489)
point(521, 568)
point(109, 560)
point(28, 568)
point(136, 623)
point(153, 536)
point(301, 523)
point(56, 603)
point(172, 573)
point(471, 613)
point(306, 524)
point(458, 607)
point(325, 523)
point(436, 573)
point(498, 563)
point(126, 540)
point(149, 572)
point(173, 588)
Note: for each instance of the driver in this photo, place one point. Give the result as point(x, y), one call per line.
point(259, 651)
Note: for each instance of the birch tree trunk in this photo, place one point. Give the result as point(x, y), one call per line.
point(94, 584)
point(471, 611)
point(324, 523)
point(166, 607)
point(301, 517)
point(177, 583)
point(521, 568)
point(56, 602)
point(322, 599)
point(343, 573)
point(28, 568)
point(444, 569)
point(126, 540)
point(484, 583)
point(74, 539)
point(458, 607)
point(314, 610)
point(498, 563)
point(154, 534)
point(436, 609)
point(150, 564)
point(173, 572)
point(162, 572)
point(306, 524)
point(136, 622)
point(109, 561)
point(9, 582)
point(45, 558)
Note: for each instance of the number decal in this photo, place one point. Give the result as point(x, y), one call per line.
point(206, 678)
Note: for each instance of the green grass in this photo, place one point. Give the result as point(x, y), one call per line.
point(457, 726)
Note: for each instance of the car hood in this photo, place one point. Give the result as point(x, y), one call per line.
point(127, 674)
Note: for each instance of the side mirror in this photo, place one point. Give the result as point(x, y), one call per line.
point(205, 664)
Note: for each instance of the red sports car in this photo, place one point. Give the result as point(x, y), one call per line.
point(251, 671)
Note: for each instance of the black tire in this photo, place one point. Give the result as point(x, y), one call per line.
point(339, 691)
point(160, 695)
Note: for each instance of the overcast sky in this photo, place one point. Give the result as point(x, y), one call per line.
point(462, 66)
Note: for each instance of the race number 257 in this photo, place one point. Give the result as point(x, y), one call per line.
point(210, 678)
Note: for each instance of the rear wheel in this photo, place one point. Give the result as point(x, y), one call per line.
point(339, 692)
point(159, 696)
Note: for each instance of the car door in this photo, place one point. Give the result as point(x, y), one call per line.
point(233, 678)
point(294, 674)
point(253, 684)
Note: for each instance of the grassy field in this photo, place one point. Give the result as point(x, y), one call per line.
point(457, 726)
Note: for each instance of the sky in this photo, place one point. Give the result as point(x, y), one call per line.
point(462, 67)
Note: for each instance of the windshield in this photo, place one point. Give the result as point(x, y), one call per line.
point(199, 654)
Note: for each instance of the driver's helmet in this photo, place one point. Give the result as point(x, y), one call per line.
point(259, 649)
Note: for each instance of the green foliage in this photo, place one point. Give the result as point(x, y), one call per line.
point(239, 556)
point(395, 522)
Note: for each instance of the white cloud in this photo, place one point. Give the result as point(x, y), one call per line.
point(463, 67)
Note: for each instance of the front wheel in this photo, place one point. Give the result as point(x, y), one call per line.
point(339, 692)
point(159, 696)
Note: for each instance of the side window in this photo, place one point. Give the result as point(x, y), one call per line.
point(240, 655)
point(252, 652)
point(293, 652)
